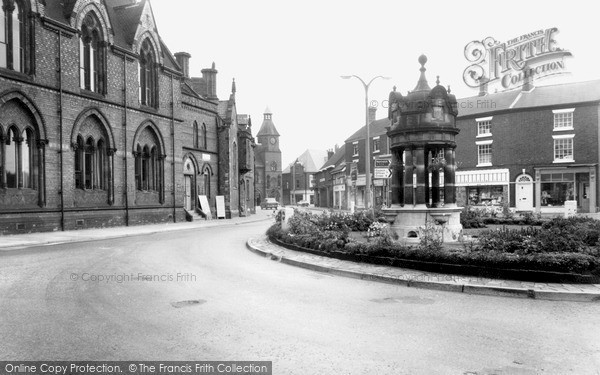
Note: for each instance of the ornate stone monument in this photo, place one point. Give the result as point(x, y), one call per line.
point(422, 142)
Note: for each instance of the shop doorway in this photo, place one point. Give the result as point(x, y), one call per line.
point(583, 191)
point(524, 193)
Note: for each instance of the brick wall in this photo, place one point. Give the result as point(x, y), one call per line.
point(84, 209)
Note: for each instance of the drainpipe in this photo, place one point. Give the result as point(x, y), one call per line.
point(60, 117)
point(173, 147)
point(125, 139)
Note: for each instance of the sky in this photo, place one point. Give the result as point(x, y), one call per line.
point(289, 56)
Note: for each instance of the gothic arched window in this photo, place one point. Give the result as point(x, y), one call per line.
point(13, 35)
point(148, 75)
point(195, 134)
point(204, 140)
point(91, 55)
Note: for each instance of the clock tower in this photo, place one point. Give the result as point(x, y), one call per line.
point(268, 161)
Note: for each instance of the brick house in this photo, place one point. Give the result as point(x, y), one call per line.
point(299, 177)
point(330, 180)
point(100, 125)
point(531, 149)
point(356, 163)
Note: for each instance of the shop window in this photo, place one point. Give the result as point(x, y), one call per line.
point(563, 119)
point(557, 188)
point(485, 195)
point(563, 149)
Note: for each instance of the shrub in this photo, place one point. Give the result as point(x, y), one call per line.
point(472, 218)
point(430, 237)
point(518, 256)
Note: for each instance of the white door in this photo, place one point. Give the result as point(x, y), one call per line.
point(524, 193)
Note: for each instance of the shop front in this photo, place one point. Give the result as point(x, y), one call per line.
point(556, 186)
point(484, 189)
point(339, 196)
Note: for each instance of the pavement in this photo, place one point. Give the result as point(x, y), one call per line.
point(427, 280)
point(22, 241)
point(261, 245)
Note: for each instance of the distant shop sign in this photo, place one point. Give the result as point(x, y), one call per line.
point(527, 57)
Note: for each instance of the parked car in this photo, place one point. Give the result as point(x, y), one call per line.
point(303, 203)
point(269, 204)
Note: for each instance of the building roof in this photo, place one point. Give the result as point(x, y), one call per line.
point(124, 20)
point(377, 127)
point(540, 96)
point(336, 159)
point(267, 128)
point(311, 160)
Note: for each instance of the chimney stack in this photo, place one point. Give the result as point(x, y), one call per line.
point(528, 81)
point(183, 60)
point(210, 76)
point(372, 114)
point(483, 86)
point(329, 153)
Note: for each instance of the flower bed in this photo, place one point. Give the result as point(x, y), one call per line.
point(563, 250)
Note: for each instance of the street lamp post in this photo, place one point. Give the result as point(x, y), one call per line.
point(368, 140)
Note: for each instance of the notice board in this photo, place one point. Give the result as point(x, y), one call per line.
point(204, 206)
point(220, 206)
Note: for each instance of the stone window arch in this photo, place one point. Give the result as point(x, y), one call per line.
point(22, 152)
point(149, 158)
point(93, 159)
point(148, 75)
point(92, 52)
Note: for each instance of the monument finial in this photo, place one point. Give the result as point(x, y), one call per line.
point(422, 85)
point(437, 81)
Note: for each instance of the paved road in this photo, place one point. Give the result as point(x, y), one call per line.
point(247, 307)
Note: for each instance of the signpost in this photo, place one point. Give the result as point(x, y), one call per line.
point(382, 173)
point(382, 168)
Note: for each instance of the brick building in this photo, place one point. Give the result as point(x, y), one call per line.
point(330, 180)
point(100, 125)
point(268, 161)
point(531, 149)
point(299, 177)
point(356, 162)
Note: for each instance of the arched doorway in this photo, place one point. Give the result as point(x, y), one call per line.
point(189, 183)
point(524, 193)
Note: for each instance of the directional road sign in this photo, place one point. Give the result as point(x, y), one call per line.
point(382, 173)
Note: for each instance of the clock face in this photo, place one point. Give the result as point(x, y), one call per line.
point(272, 140)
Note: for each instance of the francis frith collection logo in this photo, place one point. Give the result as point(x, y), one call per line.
point(530, 56)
